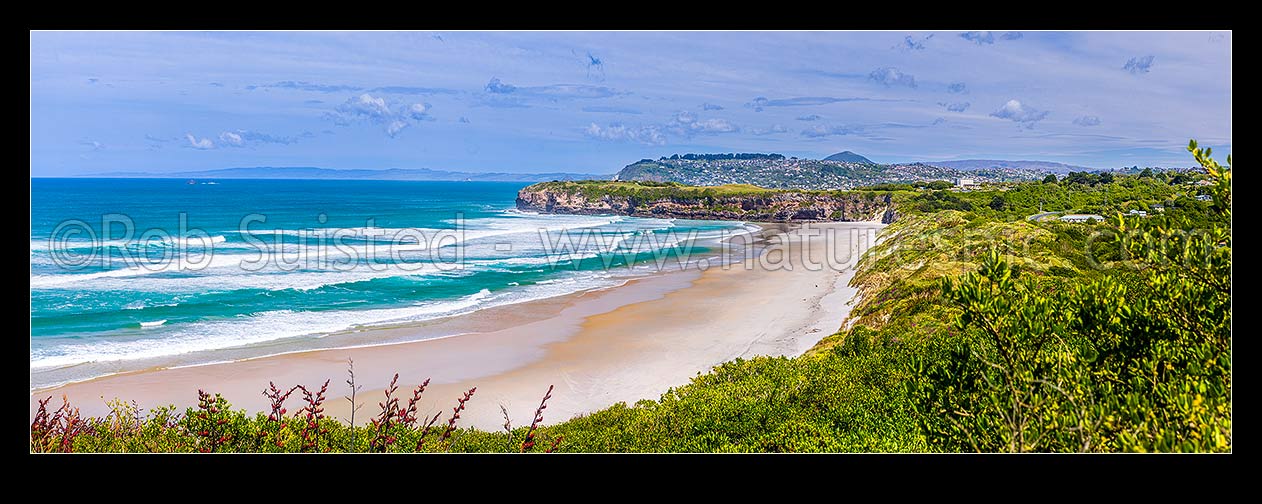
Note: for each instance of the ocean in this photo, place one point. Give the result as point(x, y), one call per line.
point(134, 273)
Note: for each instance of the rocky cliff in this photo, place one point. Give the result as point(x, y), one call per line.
point(710, 203)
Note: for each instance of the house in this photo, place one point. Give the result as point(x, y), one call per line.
point(1081, 218)
point(1140, 213)
point(1204, 197)
point(1157, 207)
point(965, 182)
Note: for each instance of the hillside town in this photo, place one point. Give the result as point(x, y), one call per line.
point(779, 172)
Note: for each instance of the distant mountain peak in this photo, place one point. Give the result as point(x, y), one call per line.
point(848, 157)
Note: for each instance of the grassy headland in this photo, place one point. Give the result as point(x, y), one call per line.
point(724, 202)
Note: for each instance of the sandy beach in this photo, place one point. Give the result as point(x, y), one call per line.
point(597, 348)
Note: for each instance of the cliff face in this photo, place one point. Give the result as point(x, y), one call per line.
point(772, 207)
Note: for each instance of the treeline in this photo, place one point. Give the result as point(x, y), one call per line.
point(1094, 179)
point(1122, 194)
point(905, 186)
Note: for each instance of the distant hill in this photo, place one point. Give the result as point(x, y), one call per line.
point(293, 172)
point(848, 157)
point(985, 164)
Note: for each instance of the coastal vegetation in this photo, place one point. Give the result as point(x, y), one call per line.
point(976, 329)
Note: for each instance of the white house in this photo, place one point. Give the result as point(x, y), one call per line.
point(965, 182)
point(1140, 213)
point(1081, 218)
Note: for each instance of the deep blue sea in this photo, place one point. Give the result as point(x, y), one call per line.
point(131, 273)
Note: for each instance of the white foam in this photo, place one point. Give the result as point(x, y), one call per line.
point(292, 260)
point(135, 269)
point(275, 325)
point(523, 223)
point(271, 280)
point(194, 241)
point(520, 230)
point(155, 323)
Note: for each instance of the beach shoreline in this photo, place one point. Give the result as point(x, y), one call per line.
point(600, 347)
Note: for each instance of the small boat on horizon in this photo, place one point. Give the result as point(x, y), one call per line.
point(192, 182)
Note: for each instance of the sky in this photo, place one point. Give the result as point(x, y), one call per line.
point(593, 102)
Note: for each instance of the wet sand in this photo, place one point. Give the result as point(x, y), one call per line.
point(598, 348)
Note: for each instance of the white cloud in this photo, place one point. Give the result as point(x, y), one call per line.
point(775, 128)
point(247, 138)
point(820, 130)
point(714, 126)
point(891, 76)
point(419, 110)
point(689, 124)
point(395, 127)
point(366, 105)
point(683, 125)
point(231, 138)
point(651, 135)
point(377, 109)
point(202, 144)
point(1020, 113)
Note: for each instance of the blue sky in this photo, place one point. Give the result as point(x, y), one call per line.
point(595, 101)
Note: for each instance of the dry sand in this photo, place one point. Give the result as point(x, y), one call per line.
point(598, 348)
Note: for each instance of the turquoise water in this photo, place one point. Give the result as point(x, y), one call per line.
point(313, 258)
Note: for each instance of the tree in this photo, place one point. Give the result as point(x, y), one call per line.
point(1147, 173)
point(1083, 178)
point(1049, 179)
point(1106, 178)
point(998, 203)
point(1136, 359)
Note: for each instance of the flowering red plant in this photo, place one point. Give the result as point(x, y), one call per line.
point(455, 413)
point(311, 415)
point(529, 443)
